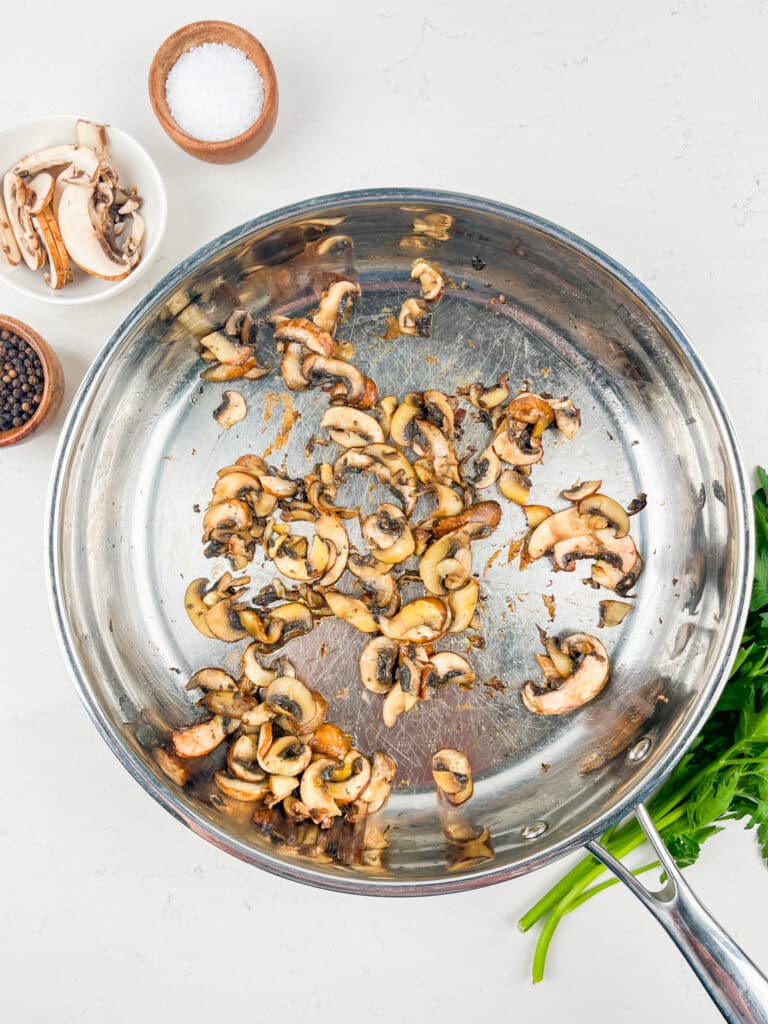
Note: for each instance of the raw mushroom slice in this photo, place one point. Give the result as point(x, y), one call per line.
point(231, 410)
point(8, 244)
point(591, 673)
point(88, 246)
point(378, 664)
point(453, 775)
point(16, 195)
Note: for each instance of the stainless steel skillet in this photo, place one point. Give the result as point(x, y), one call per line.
point(141, 448)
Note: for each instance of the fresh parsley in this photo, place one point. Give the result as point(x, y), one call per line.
point(724, 775)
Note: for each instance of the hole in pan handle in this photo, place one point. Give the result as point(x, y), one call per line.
point(738, 988)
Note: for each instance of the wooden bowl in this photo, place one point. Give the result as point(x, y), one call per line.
point(53, 381)
point(252, 139)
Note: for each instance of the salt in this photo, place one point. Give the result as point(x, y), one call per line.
point(214, 92)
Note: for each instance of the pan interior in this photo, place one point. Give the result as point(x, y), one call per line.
point(144, 449)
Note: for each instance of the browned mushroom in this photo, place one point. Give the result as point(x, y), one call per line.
point(453, 775)
point(590, 674)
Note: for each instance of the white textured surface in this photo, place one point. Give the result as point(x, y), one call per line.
point(643, 128)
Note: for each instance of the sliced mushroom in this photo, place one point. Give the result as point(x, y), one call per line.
point(314, 792)
point(232, 515)
point(432, 443)
point(242, 759)
point(518, 447)
point(353, 611)
point(536, 514)
point(585, 490)
point(299, 560)
point(88, 243)
point(196, 608)
point(445, 565)
point(396, 703)
point(199, 740)
point(240, 789)
point(567, 416)
point(336, 304)
point(224, 622)
point(303, 332)
point(294, 618)
point(281, 786)
point(430, 279)
point(387, 406)
point(47, 228)
point(229, 703)
point(489, 398)
point(347, 781)
point(351, 428)
point(254, 671)
point(452, 668)
point(378, 664)
point(610, 510)
point(231, 410)
point(453, 775)
point(440, 412)
point(289, 697)
point(566, 552)
point(376, 793)
point(515, 487)
point(211, 679)
point(320, 368)
point(8, 244)
point(531, 409)
point(287, 755)
point(477, 520)
point(415, 318)
point(402, 426)
point(462, 604)
point(292, 367)
point(330, 529)
point(420, 621)
point(377, 581)
point(171, 765)
point(564, 525)
point(613, 613)
point(388, 535)
point(331, 741)
point(449, 503)
point(487, 469)
point(590, 674)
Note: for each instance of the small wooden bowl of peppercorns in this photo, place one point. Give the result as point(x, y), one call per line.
point(31, 381)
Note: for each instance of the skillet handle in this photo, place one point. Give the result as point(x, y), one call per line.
point(737, 987)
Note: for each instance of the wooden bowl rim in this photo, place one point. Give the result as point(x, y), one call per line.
point(49, 362)
point(219, 32)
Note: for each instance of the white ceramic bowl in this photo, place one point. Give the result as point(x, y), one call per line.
point(135, 167)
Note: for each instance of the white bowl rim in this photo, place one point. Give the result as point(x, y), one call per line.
point(159, 223)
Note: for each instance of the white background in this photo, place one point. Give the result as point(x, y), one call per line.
point(642, 127)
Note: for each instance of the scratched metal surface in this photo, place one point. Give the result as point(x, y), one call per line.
point(142, 449)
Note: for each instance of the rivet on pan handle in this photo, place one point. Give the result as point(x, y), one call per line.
point(737, 987)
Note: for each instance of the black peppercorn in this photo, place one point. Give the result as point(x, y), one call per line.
point(21, 382)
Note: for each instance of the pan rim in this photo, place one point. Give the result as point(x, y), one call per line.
point(360, 884)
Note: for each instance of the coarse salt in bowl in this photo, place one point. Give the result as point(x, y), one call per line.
point(213, 89)
point(214, 92)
